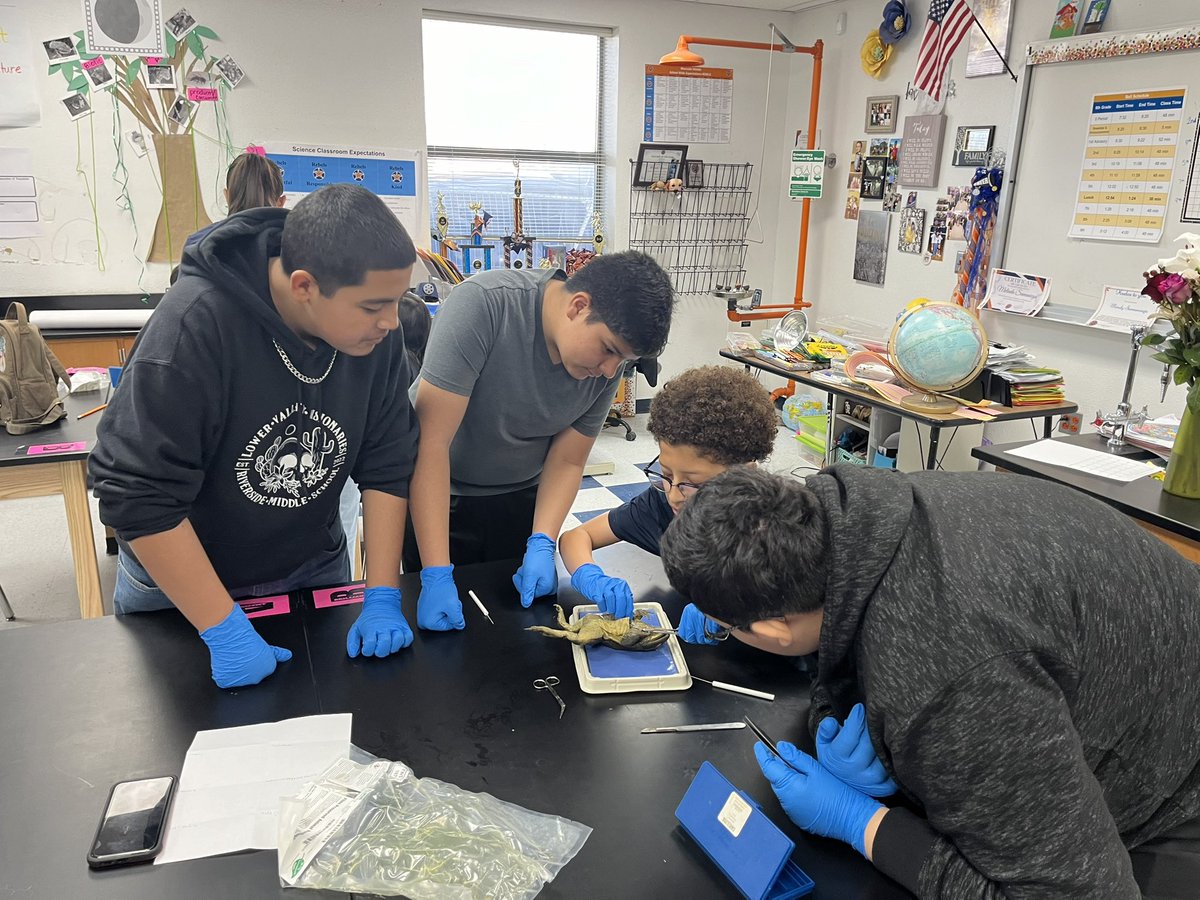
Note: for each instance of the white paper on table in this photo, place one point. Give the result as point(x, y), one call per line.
point(1120, 308)
point(233, 778)
point(1014, 292)
point(1084, 459)
point(19, 213)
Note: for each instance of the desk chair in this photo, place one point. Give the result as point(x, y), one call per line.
point(4, 606)
point(649, 368)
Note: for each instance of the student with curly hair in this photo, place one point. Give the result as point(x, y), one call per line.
point(705, 420)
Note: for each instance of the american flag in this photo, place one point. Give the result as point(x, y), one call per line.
point(949, 22)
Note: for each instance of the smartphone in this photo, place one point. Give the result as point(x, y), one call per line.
point(135, 817)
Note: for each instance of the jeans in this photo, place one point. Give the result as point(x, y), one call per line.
point(136, 591)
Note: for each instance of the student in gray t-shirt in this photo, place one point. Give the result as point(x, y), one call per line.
point(519, 374)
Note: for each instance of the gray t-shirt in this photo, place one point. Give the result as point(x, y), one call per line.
point(487, 344)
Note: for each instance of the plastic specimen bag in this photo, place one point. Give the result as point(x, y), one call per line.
point(376, 828)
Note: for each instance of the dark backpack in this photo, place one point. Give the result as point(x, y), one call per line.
point(29, 375)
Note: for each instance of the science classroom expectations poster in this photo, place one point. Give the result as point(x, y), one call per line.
point(389, 173)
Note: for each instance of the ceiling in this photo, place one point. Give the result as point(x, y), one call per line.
point(777, 5)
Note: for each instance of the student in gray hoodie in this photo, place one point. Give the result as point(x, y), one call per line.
point(1027, 658)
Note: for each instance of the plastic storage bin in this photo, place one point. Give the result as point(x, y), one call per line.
point(845, 456)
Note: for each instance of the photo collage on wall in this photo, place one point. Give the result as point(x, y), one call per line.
point(874, 164)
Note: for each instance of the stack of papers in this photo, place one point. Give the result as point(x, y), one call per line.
point(1031, 387)
point(1001, 357)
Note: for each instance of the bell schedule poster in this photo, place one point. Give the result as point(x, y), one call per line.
point(1128, 161)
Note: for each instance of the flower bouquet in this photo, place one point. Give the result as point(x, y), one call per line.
point(1174, 285)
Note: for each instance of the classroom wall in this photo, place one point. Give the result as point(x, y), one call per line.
point(312, 77)
point(1093, 361)
point(351, 72)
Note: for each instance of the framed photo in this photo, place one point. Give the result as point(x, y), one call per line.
point(874, 166)
point(881, 114)
point(972, 144)
point(872, 188)
point(693, 173)
point(659, 162)
point(994, 17)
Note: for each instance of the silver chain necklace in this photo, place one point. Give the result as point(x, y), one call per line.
point(306, 379)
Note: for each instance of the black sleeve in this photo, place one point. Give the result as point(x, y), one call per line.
point(390, 442)
point(902, 843)
point(153, 447)
point(642, 520)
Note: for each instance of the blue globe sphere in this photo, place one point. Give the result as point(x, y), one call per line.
point(938, 346)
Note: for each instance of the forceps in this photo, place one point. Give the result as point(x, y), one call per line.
point(547, 684)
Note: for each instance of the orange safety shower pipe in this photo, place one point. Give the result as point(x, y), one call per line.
point(682, 56)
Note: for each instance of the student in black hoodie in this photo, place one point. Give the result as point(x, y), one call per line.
point(1028, 659)
point(270, 372)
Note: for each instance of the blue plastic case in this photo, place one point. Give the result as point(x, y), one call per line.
point(735, 833)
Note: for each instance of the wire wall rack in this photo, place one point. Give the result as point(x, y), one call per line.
point(698, 233)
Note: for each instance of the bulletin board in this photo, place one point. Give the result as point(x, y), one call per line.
point(1055, 115)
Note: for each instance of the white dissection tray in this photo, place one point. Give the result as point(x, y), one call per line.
point(603, 670)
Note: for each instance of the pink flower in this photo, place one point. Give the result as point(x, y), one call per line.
point(1153, 288)
point(1175, 288)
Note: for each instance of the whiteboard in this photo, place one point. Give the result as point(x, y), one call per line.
point(1044, 183)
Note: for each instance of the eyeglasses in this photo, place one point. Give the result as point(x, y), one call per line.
point(661, 482)
point(722, 632)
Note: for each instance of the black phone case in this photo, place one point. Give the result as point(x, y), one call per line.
point(140, 856)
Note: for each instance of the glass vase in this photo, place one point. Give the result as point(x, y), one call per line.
point(1183, 470)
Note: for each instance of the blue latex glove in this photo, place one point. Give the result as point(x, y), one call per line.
point(538, 576)
point(380, 629)
point(612, 595)
point(846, 751)
point(239, 656)
point(692, 626)
point(814, 799)
point(438, 605)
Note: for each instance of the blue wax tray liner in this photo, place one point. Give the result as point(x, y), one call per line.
point(603, 670)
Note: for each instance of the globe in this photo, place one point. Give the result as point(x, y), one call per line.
point(936, 347)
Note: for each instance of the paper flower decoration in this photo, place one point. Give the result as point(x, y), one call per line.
point(895, 22)
point(874, 54)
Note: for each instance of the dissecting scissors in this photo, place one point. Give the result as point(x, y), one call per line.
point(547, 684)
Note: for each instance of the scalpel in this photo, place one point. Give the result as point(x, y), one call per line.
point(711, 726)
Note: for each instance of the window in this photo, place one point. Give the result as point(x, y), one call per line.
point(499, 93)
